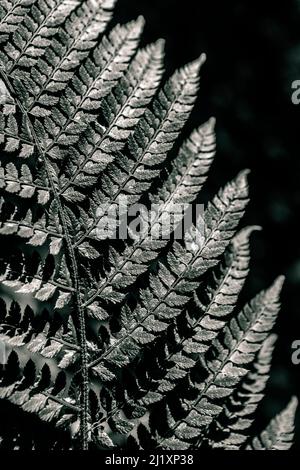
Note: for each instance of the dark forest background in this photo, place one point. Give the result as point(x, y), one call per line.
point(253, 56)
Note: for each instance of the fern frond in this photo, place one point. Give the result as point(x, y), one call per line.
point(206, 324)
point(131, 343)
point(29, 274)
point(175, 282)
point(33, 34)
point(196, 154)
point(34, 385)
point(190, 168)
point(241, 340)
point(20, 182)
point(80, 96)
point(279, 434)
point(31, 388)
point(238, 414)
point(122, 110)
point(41, 334)
point(55, 69)
point(13, 136)
point(154, 136)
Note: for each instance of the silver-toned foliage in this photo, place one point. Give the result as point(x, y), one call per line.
point(116, 334)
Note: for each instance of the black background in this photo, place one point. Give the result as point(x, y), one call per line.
point(253, 56)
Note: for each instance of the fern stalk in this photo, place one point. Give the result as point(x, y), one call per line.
point(79, 311)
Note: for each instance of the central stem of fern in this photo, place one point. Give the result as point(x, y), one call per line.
point(79, 313)
point(81, 330)
point(84, 405)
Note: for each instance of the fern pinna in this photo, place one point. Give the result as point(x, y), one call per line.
point(136, 343)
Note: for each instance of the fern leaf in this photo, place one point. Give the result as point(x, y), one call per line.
point(30, 37)
point(170, 112)
point(133, 343)
point(122, 108)
point(238, 413)
point(164, 299)
point(32, 390)
point(223, 299)
point(20, 182)
point(79, 97)
point(242, 339)
point(279, 434)
point(196, 154)
point(206, 324)
point(64, 54)
point(13, 136)
point(49, 338)
point(190, 168)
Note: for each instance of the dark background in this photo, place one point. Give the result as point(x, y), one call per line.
point(253, 51)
